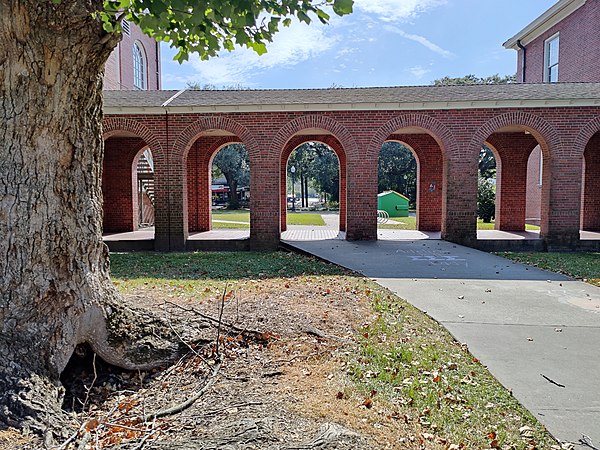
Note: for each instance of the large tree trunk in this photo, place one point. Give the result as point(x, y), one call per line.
point(234, 202)
point(55, 290)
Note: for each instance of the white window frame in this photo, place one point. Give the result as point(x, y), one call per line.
point(550, 65)
point(140, 67)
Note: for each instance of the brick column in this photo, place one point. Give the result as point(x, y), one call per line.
point(264, 201)
point(361, 198)
point(171, 204)
point(590, 212)
point(562, 212)
point(460, 191)
point(513, 149)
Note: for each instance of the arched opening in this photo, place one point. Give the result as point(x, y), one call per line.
point(410, 183)
point(313, 187)
point(218, 189)
point(127, 188)
point(489, 167)
point(397, 175)
point(144, 168)
point(518, 186)
point(230, 188)
point(590, 200)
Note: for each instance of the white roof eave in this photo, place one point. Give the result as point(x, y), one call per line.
point(543, 23)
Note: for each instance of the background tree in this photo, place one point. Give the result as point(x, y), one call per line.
point(233, 162)
point(318, 165)
point(472, 79)
point(487, 163)
point(397, 171)
point(55, 288)
point(326, 173)
point(486, 200)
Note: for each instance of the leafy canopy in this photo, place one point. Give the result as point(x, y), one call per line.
point(472, 79)
point(208, 26)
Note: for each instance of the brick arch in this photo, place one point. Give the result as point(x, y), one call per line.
point(119, 174)
point(334, 144)
point(112, 125)
point(585, 134)
point(198, 177)
point(190, 135)
point(430, 177)
point(511, 186)
point(289, 130)
point(587, 144)
point(433, 127)
point(342, 142)
point(541, 130)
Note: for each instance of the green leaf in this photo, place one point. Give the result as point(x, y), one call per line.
point(341, 7)
point(323, 16)
point(303, 17)
point(259, 47)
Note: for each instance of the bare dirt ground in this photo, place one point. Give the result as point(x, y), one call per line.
point(283, 387)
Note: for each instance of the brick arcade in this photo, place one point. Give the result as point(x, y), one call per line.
point(444, 127)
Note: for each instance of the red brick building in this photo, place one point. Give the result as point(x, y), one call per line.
point(562, 45)
point(444, 126)
point(135, 63)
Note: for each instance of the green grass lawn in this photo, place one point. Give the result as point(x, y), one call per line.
point(490, 226)
point(244, 216)
point(410, 223)
point(402, 359)
point(584, 266)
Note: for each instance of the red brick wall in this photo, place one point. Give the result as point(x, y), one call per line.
point(512, 153)
point(562, 133)
point(579, 49)
point(590, 216)
point(430, 178)
point(119, 184)
point(199, 168)
point(118, 71)
point(534, 188)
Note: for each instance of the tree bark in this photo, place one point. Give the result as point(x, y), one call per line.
point(55, 288)
point(234, 203)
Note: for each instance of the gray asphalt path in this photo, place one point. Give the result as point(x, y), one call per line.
point(524, 324)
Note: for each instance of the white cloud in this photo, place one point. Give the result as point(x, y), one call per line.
point(290, 46)
point(421, 40)
point(396, 10)
point(419, 71)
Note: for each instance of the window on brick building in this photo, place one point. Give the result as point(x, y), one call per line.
point(551, 59)
point(139, 67)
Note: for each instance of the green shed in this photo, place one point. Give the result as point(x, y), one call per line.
point(396, 205)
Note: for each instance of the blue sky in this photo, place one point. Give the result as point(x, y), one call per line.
point(383, 43)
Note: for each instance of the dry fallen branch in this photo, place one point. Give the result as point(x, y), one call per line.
point(214, 321)
point(189, 402)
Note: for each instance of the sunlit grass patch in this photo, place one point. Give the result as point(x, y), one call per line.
point(583, 265)
point(411, 362)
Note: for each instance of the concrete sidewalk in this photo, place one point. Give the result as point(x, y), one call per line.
point(526, 325)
